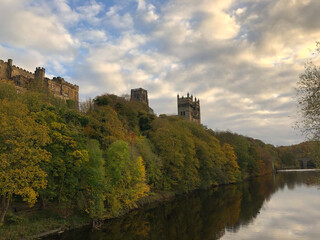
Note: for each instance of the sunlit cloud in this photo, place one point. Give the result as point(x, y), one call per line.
point(241, 58)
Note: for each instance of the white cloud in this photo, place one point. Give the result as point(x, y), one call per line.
point(31, 30)
point(242, 58)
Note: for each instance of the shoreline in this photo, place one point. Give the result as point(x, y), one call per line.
point(150, 201)
point(298, 170)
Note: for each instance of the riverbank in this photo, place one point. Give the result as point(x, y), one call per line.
point(217, 212)
point(35, 223)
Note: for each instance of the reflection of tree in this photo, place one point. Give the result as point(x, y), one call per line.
point(292, 179)
point(199, 215)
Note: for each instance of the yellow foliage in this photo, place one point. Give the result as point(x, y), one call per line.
point(21, 142)
point(231, 166)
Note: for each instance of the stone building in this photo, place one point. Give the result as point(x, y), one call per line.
point(189, 108)
point(139, 95)
point(24, 79)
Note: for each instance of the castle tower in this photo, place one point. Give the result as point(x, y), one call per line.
point(39, 79)
point(189, 108)
point(39, 74)
point(139, 95)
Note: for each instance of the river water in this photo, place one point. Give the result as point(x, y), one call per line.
point(281, 206)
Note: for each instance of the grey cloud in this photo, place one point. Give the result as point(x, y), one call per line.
point(244, 76)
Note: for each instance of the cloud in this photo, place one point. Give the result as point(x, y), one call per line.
point(242, 58)
point(23, 27)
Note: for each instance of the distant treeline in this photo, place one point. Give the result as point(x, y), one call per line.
point(100, 160)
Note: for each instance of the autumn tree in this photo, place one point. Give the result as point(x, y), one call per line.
point(93, 182)
point(125, 177)
point(105, 126)
point(176, 147)
point(21, 153)
point(308, 94)
point(69, 157)
point(152, 162)
point(230, 165)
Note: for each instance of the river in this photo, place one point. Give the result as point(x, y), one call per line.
point(282, 206)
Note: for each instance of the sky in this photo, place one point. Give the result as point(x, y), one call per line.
point(241, 58)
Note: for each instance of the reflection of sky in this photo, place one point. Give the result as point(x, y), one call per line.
point(290, 214)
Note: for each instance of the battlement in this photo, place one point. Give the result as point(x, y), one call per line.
point(58, 79)
point(24, 78)
point(189, 108)
point(21, 69)
point(189, 98)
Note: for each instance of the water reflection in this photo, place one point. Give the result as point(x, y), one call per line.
point(280, 206)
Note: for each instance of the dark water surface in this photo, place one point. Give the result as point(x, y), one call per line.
point(281, 206)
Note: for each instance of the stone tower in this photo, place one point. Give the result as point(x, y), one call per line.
point(39, 78)
point(189, 108)
point(40, 73)
point(139, 95)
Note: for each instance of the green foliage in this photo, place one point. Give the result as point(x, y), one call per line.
point(125, 176)
point(8, 91)
point(105, 126)
point(176, 148)
point(135, 116)
point(68, 159)
point(250, 152)
point(93, 182)
point(152, 162)
point(106, 158)
point(230, 166)
point(191, 156)
point(315, 154)
point(290, 155)
point(14, 219)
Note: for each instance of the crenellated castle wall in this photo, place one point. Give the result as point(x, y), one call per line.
point(23, 78)
point(17, 71)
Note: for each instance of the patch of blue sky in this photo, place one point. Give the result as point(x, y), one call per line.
point(9, 47)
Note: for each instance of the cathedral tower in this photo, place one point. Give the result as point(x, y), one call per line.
point(189, 108)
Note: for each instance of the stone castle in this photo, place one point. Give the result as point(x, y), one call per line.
point(189, 108)
point(24, 79)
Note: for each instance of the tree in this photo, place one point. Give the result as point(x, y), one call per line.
point(153, 162)
point(308, 91)
point(231, 167)
point(174, 144)
point(68, 159)
point(125, 176)
point(93, 182)
point(21, 153)
point(105, 126)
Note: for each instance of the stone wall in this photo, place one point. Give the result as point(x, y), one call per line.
point(17, 71)
point(23, 79)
